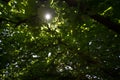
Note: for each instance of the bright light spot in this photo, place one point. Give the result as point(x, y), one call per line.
point(68, 68)
point(60, 70)
point(0, 13)
point(47, 16)
point(90, 43)
point(0, 41)
point(34, 56)
point(49, 54)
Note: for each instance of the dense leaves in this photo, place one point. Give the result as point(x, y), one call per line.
point(80, 42)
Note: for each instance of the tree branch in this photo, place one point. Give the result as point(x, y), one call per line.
point(107, 22)
point(101, 19)
point(17, 23)
point(20, 22)
point(7, 20)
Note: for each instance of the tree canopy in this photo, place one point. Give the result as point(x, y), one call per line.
point(77, 40)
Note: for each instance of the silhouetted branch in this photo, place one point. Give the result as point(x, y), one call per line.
point(17, 23)
point(21, 22)
point(7, 20)
point(107, 22)
point(101, 19)
point(14, 22)
point(5, 1)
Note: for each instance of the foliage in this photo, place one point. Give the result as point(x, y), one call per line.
point(70, 46)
